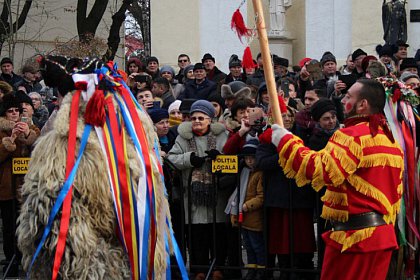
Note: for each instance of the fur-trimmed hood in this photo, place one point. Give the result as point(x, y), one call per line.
point(231, 124)
point(185, 129)
point(6, 125)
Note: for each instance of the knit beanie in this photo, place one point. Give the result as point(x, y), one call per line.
point(250, 147)
point(408, 75)
point(187, 69)
point(167, 68)
point(203, 106)
point(174, 106)
point(234, 61)
point(321, 107)
point(158, 114)
point(328, 56)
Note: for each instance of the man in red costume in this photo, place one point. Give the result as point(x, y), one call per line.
point(362, 168)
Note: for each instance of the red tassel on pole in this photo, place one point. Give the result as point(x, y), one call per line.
point(237, 24)
point(95, 109)
point(247, 60)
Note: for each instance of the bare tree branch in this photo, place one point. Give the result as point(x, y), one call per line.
point(89, 25)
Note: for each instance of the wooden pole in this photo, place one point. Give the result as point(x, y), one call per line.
point(268, 66)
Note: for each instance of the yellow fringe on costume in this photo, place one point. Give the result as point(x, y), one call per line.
point(347, 141)
point(335, 198)
point(348, 241)
point(382, 159)
point(334, 214)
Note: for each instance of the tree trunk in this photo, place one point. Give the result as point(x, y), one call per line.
point(114, 32)
point(7, 28)
point(87, 25)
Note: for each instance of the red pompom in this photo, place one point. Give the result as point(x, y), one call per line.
point(95, 109)
point(247, 60)
point(238, 25)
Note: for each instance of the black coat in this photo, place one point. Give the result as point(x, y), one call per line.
point(279, 191)
point(200, 91)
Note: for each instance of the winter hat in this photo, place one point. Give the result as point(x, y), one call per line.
point(365, 61)
point(235, 89)
point(401, 43)
point(167, 68)
point(277, 60)
point(215, 97)
point(187, 69)
point(185, 106)
point(321, 107)
point(357, 53)
point(158, 114)
point(203, 106)
point(234, 61)
point(303, 61)
point(198, 66)
point(6, 60)
point(22, 97)
point(250, 147)
point(152, 58)
point(10, 101)
point(262, 88)
point(174, 106)
point(328, 56)
point(408, 75)
point(208, 56)
point(386, 49)
point(408, 62)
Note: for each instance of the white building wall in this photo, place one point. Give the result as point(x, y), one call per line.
point(328, 27)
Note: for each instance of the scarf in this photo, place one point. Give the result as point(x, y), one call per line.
point(375, 121)
point(233, 207)
point(203, 192)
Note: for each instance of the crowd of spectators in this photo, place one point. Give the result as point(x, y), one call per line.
point(199, 112)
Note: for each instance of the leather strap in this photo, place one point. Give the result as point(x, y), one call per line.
point(360, 221)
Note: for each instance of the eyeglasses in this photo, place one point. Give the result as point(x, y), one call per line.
point(183, 60)
point(13, 110)
point(200, 119)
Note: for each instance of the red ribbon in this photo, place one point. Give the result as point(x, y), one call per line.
point(66, 209)
point(143, 142)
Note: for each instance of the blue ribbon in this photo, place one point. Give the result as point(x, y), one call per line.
point(177, 253)
point(61, 196)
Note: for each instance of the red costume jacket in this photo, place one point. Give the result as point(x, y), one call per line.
point(362, 174)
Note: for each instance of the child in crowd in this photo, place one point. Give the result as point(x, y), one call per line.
point(248, 212)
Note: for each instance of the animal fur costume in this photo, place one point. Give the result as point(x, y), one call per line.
point(92, 248)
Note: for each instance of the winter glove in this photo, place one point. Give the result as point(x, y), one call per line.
point(278, 133)
point(212, 154)
point(196, 161)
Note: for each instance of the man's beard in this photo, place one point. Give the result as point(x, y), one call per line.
point(352, 113)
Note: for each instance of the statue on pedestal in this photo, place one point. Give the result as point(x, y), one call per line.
point(277, 14)
point(394, 21)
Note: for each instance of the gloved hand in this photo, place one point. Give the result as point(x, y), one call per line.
point(196, 161)
point(212, 154)
point(277, 134)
